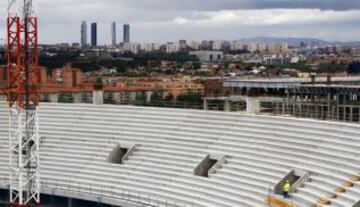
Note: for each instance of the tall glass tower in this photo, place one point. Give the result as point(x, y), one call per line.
point(94, 34)
point(126, 33)
point(83, 34)
point(113, 33)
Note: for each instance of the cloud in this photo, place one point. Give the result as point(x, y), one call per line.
point(270, 17)
point(161, 21)
point(242, 4)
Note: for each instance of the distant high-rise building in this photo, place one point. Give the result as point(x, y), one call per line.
point(83, 34)
point(183, 44)
point(113, 33)
point(217, 45)
point(93, 34)
point(172, 47)
point(194, 45)
point(126, 33)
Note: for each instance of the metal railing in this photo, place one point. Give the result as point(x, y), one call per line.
point(319, 111)
point(107, 192)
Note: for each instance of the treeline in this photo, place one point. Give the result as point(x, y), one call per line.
point(120, 63)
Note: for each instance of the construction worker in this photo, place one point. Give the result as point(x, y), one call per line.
point(286, 189)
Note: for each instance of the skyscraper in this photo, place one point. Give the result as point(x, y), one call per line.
point(113, 33)
point(126, 33)
point(93, 34)
point(83, 40)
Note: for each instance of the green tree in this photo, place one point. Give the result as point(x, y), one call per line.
point(196, 65)
point(156, 97)
point(190, 97)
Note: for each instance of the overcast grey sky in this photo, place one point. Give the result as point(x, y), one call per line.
point(170, 20)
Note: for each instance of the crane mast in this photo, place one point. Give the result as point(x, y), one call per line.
point(23, 98)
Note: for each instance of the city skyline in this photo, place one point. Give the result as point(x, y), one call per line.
point(194, 20)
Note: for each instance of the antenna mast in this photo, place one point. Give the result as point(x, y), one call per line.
point(22, 90)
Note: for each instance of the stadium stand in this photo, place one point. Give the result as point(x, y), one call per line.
point(168, 144)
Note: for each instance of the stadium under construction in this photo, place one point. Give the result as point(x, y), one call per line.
point(78, 154)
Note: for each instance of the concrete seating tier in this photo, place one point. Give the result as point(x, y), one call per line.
point(260, 150)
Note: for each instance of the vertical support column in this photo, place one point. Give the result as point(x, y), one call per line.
point(148, 96)
point(345, 104)
point(77, 97)
point(227, 105)
point(283, 105)
point(322, 112)
point(287, 101)
point(301, 105)
point(337, 107)
point(132, 96)
point(117, 97)
point(294, 105)
point(98, 97)
point(70, 202)
point(54, 97)
point(3, 97)
point(205, 103)
point(253, 105)
point(329, 106)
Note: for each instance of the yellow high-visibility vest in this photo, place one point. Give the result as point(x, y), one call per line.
point(286, 187)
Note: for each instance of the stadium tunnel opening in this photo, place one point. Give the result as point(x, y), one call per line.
point(208, 165)
point(296, 178)
point(120, 153)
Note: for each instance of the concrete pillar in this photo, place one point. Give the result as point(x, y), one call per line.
point(329, 106)
point(117, 97)
point(148, 95)
point(165, 94)
point(253, 105)
point(3, 98)
point(54, 97)
point(206, 107)
point(69, 202)
point(322, 112)
point(98, 97)
point(43, 97)
point(227, 105)
point(283, 105)
point(338, 107)
point(287, 100)
point(77, 97)
point(344, 107)
point(132, 96)
point(300, 104)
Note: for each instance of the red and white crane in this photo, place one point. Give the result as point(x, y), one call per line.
point(22, 90)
